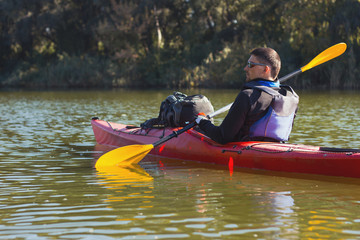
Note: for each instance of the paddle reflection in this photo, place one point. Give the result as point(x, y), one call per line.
point(123, 180)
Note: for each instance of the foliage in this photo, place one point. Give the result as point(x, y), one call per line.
point(171, 44)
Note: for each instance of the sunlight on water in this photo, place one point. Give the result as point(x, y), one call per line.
point(50, 190)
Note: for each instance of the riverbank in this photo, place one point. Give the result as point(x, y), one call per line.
point(102, 73)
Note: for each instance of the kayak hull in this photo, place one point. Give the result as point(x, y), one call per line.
point(193, 145)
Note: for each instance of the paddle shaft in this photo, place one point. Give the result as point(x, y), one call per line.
point(174, 134)
point(290, 75)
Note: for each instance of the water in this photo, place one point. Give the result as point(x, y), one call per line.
point(50, 190)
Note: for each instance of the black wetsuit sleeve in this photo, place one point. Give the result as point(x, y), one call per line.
point(230, 128)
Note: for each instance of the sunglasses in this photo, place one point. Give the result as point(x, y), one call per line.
point(252, 64)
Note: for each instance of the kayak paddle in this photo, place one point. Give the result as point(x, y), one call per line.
point(133, 154)
point(326, 55)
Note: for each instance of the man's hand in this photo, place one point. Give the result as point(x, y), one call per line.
point(200, 117)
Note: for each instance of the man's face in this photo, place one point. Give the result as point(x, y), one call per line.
point(255, 71)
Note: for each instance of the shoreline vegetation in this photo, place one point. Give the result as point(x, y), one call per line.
point(70, 44)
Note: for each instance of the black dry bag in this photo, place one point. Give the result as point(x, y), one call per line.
point(178, 110)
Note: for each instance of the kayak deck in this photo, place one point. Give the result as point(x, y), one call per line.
point(193, 145)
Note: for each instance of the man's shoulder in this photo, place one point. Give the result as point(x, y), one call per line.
point(248, 95)
point(249, 91)
point(246, 92)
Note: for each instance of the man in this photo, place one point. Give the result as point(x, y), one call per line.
point(252, 109)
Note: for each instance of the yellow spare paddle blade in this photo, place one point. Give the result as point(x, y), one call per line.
point(326, 55)
point(131, 154)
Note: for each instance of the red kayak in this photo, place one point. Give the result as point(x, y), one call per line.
point(193, 145)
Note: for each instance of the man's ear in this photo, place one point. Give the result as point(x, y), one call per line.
point(267, 69)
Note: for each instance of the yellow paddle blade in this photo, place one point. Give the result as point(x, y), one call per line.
point(326, 55)
point(131, 154)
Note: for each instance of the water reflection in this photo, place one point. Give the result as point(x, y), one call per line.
point(281, 209)
point(120, 179)
point(273, 211)
point(277, 207)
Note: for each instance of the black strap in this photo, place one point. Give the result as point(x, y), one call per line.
point(329, 149)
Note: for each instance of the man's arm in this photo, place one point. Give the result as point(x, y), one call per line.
point(230, 129)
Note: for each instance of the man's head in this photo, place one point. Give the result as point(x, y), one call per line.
point(263, 63)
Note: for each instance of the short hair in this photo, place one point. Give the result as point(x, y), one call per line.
point(270, 57)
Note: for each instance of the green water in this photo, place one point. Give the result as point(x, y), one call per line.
point(50, 190)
